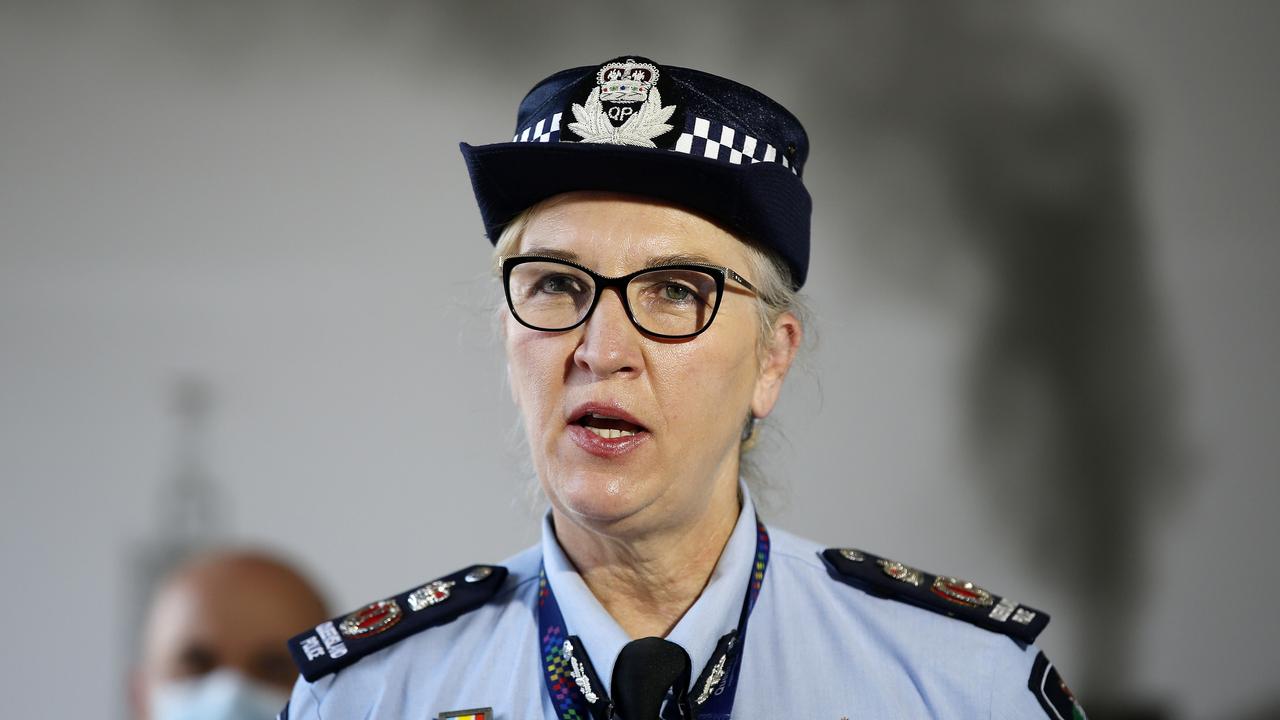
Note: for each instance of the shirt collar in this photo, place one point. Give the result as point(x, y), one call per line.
point(712, 615)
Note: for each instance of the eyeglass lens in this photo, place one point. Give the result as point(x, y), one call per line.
point(665, 301)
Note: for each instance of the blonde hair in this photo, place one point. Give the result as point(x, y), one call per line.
point(768, 272)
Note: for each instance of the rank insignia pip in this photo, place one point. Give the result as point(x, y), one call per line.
point(430, 594)
point(337, 643)
point(942, 594)
point(900, 572)
point(852, 555)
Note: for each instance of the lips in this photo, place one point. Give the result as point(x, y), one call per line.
point(606, 417)
point(605, 429)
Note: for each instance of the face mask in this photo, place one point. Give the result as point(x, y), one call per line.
point(220, 695)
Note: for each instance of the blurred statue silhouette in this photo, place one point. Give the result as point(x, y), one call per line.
point(1029, 152)
point(213, 643)
point(1071, 365)
point(208, 624)
point(190, 510)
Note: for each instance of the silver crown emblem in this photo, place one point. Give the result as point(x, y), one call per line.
point(627, 81)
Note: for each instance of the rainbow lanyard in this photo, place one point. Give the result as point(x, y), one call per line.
point(576, 691)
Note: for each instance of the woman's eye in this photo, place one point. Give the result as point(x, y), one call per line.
point(559, 284)
point(676, 293)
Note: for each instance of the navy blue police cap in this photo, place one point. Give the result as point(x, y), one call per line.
point(683, 136)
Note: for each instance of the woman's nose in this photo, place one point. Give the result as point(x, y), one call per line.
point(610, 343)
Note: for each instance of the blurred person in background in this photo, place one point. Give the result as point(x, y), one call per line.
point(214, 639)
point(651, 231)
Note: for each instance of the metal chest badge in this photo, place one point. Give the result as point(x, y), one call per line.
point(624, 108)
point(371, 619)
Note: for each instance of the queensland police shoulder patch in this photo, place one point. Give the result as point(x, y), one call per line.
point(337, 643)
point(950, 596)
point(1052, 692)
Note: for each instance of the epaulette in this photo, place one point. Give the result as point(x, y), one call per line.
point(337, 643)
point(943, 594)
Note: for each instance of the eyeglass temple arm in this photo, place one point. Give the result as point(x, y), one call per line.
point(735, 276)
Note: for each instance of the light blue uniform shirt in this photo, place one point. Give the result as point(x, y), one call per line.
point(816, 648)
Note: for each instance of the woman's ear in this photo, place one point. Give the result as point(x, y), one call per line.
point(781, 351)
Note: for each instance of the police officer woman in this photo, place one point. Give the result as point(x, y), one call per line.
point(651, 230)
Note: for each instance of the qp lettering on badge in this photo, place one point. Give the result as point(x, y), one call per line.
point(620, 113)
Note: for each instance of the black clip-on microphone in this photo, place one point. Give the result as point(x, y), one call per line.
point(645, 670)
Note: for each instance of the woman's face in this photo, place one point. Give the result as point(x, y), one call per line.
point(689, 398)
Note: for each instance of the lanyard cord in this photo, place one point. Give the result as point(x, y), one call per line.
point(577, 693)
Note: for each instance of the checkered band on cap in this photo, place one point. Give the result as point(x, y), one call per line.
point(546, 130)
point(701, 137)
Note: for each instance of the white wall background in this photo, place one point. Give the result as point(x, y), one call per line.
point(280, 208)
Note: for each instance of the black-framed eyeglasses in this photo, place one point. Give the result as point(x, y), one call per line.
point(667, 301)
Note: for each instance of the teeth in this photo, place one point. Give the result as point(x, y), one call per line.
point(611, 433)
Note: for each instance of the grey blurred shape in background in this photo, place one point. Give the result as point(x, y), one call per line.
point(188, 512)
point(1073, 408)
point(1044, 282)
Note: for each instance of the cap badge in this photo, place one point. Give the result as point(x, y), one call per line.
point(610, 114)
point(371, 619)
point(900, 572)
point(962, 592)
point(430, 594)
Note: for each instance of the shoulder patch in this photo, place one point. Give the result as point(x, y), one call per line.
point(1052, 692)
point(943, 594)
point(337, 643)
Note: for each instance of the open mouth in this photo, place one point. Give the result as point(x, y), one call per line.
point(605, 430)
point(607, 427)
